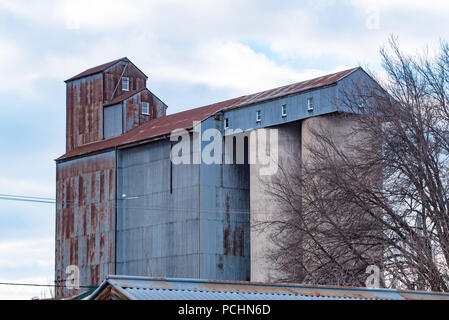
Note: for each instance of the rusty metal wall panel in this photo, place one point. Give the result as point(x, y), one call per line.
point(84, 111)
point(160, 107)
point(113, 85)
point(85, 99)
point(85, 219)
point(133, 116)
point(132, 111)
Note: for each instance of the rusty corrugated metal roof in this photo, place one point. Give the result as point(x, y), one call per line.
point(184, 120)
point(146, 288)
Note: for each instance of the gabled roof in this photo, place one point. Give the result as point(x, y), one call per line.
point(145, 288)
point(184, 120)
point(99, 69)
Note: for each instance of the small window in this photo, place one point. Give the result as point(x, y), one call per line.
point(145, 108)
point(125, 84)
point(310, 104)
point(226, 123)
point(284, 110)
point(258, 116)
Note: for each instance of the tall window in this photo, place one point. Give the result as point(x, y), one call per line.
point(145, 108)
point(310, 104)
point(258, 116)
point(226, 123)
point(125, 84)
point(284, 110)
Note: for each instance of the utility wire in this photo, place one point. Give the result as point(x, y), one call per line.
point(42, 285)
point(22, 196)
point(26, 199)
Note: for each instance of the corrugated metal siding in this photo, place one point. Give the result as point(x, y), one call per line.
point(84, 111)
point(85, 218)
point(87, 94)
point(160, 106)
point(324, 101)
point(133, 110)
point(159, 233)
point(113, 85)
point(157, 229)
point(113, 121)
point(225, 219)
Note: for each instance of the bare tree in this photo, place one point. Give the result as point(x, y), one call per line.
point(381, 197)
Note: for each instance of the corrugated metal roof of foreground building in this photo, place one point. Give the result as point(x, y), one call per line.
point(144, 288)
point(184, 120)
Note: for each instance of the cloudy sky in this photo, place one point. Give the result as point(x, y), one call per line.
point(195, 53)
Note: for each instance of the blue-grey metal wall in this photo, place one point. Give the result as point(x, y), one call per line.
point(225, 219)
point(158, 215)
point(113, 121)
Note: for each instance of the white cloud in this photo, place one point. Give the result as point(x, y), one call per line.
point(436, 5)
point(28, 252)
point(99, 13)
point(10, 292)
point(28, 187)
point(8, 52)
point(172, 37)
point(232, 65)
point(34, 259)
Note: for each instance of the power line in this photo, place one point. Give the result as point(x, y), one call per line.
point(42, 285)
point(27, 199)
point(73, 203)
point(22, 196)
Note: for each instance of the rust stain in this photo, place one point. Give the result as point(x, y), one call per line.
point(94, 274)
point(102, 186)
point(93, 216)
point(220, 263)
point(226, 245)
point(91, 249)
point(237, 248)
point(228, 213)
point(226, 231)
point(102, 247)
point(85, 217)
point(74, 252)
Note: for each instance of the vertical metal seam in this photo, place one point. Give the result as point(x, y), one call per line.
point(116, 213)
point(199, 215)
